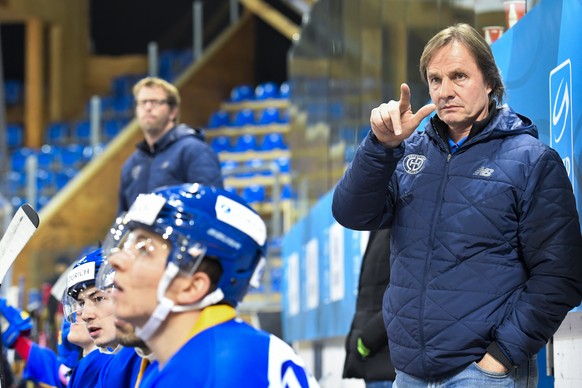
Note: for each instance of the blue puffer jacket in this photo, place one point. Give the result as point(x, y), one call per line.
point(486, 243)
point(179, 156)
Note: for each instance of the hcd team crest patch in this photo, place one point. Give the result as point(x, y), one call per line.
point(413, 163)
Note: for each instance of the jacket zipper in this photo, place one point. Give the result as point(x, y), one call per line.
point(429, 254)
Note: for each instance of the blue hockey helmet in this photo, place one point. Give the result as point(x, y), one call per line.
point(202, 221)
point(82, 276)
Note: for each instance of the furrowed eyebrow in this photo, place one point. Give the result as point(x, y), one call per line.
point(91, 294)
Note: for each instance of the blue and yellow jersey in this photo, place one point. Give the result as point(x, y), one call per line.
point(226, 352)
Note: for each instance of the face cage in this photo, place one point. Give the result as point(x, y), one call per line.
point(186, 255)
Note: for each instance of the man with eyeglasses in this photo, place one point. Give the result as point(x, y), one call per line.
point(171, 153)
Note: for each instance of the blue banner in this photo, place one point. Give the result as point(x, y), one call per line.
point(540, 59)
point(321, 266)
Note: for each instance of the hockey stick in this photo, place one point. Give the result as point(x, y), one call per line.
point(19, 231)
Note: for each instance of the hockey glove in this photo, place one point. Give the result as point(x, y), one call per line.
point(19, 323)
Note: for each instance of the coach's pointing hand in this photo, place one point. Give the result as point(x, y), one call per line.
point(393, 122)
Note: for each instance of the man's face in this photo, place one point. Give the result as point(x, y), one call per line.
point(457, 87)
point(79, 335)
point(153, 113)
point(96, 311)
point(139, 265)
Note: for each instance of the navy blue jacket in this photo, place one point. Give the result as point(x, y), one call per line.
point(486, 250)
point(179, 156)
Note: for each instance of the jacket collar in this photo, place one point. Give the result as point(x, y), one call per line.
point(170, 137)
point(501, 122)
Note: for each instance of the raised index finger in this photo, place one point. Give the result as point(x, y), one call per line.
point(404, 103)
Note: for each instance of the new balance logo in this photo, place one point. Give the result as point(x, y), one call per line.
point(484, 172)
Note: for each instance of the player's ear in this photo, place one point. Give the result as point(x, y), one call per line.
point(191, 289)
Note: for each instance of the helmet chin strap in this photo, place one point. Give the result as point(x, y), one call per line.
point(108, 350)
point(166, 306)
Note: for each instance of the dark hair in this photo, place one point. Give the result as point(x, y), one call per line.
point(211, 266)
point(477, 46)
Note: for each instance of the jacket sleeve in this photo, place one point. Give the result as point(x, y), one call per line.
point(363, 198)
point(202, 166)
point(122, 205)
point(551, 246)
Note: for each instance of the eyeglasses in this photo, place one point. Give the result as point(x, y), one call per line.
point(153, 102)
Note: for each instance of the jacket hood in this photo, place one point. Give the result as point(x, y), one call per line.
point(183, 130)
point(170, 137)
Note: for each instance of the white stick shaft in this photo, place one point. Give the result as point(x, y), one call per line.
point(18, 233)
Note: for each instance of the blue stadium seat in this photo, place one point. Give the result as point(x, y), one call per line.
point(244, 117)
point(186, 58)
point(218, 119)
point(259, 165)
point(90, 151)
point(106, 107)
point(62, 177)
point(82, 132)
point(16, 182)
point(17, 201)
point(122, 86)
point(221, 144)
point(72, 156)
point(231, 189)
point(254, 193)
point(167, 61)
point(266, 91)
point(48, 157)
point(45, 183)
point(13, 92)
point(269, 115)
point(276, 279)
point(41, 201)
point(284, 165)
point(284, 117)
point(241, 93)
point(111, 128)
point(227, 166)
point(246, 142)
point(14, 135)
point(287, 192)
point(18, 158)
point(122, 107)
point(273, 141)
point(57, 133)
point(284, 90)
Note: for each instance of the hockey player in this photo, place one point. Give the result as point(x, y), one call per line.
point(84, 302)
point(184, 257)
point(128, 366)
